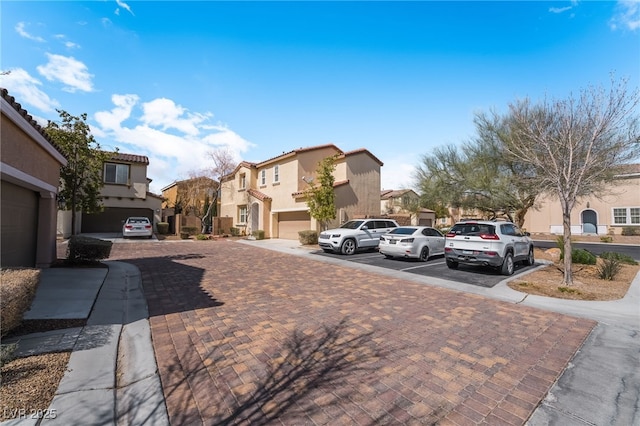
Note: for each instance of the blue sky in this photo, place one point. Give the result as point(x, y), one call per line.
point(174, 80)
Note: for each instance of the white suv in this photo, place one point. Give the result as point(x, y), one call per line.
point(497, 244)
point(355, 234)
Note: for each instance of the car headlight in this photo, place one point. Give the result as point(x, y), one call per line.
point(335, 235)
point(382, 239)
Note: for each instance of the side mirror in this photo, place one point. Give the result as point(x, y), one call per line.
point(364, 228)
point(527, 234)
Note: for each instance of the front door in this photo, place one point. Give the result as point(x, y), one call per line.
point(589, 222)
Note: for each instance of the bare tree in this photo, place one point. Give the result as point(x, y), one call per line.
point(222, 163)
point(195, 196)
point(575, 145)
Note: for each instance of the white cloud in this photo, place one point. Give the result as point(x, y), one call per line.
point(627, 15)
point(69, 71)
point(68, 44)
point(123, 5)
point(176, 141)
point(24, 88)
point(20, 29)
point(560, 9)
point(166, 114)
point(397, 174)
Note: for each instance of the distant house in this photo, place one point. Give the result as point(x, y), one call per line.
point(601, 214)
point(30, 176)
point(179, 195)
point(125, 193)
point(398, 204)
point(269, 195)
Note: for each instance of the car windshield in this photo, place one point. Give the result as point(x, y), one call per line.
point(352, 224)
point(138, 220)
point(403, 231)
point(473, 229)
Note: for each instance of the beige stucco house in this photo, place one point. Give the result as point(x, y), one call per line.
point(269, 195)
point(30, 176)
point(179, 195)
point(606, 214)
point(397, 204)
point(125, 193)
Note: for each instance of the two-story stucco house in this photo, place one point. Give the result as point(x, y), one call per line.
point(30, 176)
point(269, 195)
point(185, 196)
point(125, 193)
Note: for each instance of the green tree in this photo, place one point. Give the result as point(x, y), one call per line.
point(321, 198)
point(575, 146)
point(81, 178)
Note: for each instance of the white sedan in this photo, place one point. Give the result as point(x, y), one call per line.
point(417, 242)
point(137, 227)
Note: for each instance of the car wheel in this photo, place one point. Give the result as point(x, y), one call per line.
point(507, 266)
point(530, 260)
point(348, 247)
point(424, 254)
point(451, 264)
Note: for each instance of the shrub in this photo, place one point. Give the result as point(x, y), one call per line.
point(606, 239)
point(191, 230)
point(17, 290)
point(609, 268)
point(83, 249)
point(202, 237)
point(235, 232)
point(583, 257)
point(630, 230)
point(259, 234)
point(6, 353)
point(163, 228)
point(308, 237)
point(622, 258)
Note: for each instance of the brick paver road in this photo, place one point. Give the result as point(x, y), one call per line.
point(244, 335)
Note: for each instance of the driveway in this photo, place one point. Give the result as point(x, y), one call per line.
point(252, 336)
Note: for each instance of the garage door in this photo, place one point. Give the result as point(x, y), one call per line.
point(424, 222)
point(19, 225)
point(111, 219)
point(289, 223)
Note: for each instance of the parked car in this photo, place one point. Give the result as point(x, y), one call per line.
point(496, 244)
point(137, 227)
point(355, 234)
point(417, 242)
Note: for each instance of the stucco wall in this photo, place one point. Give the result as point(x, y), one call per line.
point(137, 186)
point(623, 193)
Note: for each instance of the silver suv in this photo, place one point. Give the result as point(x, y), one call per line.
point(355, 234)
point(497, 244)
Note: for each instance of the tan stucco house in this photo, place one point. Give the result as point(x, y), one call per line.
point(177, 195)
point(601, 214)
point(395, 203)
point(125, 193)
point(30, 176)
point(269, 195)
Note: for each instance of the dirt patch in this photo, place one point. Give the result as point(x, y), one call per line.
point(29, 384)
point(586, 285)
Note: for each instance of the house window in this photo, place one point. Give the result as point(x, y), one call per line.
point(116, 173)
point(243, 181)
point(242, 214)
point(276, 174)
point(626, 216)
point(263, 177)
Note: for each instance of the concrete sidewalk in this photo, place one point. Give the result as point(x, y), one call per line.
point(112, 375)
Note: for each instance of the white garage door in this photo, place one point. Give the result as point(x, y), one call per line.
point(19, 225)
point(289, 223)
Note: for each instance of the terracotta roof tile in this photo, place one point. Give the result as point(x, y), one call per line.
point(131, 158)
point(259, 195)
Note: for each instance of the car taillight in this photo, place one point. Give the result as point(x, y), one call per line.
point(448, 249)
point(147, 226)
point(382, 239)
point(407, 240)
point(450, 235)
point(489, 236)
point(128, 226)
